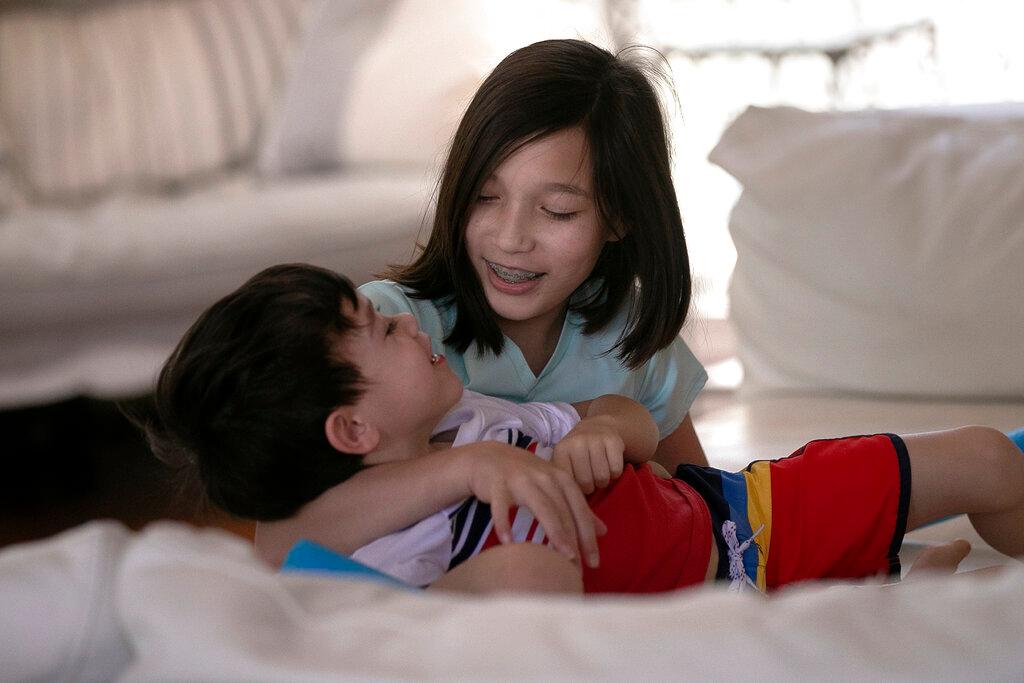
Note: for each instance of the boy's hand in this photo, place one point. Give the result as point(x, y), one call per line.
point(503, 476)
point(592, 453)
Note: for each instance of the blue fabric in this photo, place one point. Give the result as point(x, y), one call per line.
point(734, 490)
point(306, 556)
point(1017, 436)
point(580, 367)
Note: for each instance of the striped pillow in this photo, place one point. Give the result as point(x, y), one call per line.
point(143, 95)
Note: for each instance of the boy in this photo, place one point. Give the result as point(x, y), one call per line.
point(294, 383)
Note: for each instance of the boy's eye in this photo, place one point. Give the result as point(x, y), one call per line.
point(391, 327)
point(560, 215)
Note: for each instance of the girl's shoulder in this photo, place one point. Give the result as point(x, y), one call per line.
point(434, 318)
point(392, 298)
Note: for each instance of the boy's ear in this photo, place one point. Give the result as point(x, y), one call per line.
point(348, 432)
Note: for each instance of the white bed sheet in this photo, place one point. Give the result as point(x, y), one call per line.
point(174, 604)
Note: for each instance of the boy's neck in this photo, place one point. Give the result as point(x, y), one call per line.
point(395, 448)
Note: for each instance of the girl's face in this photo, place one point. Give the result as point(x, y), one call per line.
point(534, 234)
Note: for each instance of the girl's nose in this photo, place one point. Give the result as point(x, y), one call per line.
point(514, 231)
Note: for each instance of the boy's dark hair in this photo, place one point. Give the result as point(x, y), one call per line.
point(541, 89)
point(243, 399)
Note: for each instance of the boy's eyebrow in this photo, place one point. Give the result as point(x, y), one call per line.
point(367, 313)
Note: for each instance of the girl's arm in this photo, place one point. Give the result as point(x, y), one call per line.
point(681, 447)
point(386, 498)
point(611, 429)
point(626, 418)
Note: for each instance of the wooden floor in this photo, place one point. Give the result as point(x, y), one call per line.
point(79, 460)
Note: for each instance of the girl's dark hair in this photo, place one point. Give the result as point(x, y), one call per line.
point(243, 399)
point(535, 91)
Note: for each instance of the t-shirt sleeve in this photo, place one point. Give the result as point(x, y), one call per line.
point(418, 555)
point(548, 422)
point(390, 299)
point(387, 297)
point(489, 418)
point(670, 383)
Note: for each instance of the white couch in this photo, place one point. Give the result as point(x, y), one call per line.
point(153, 155)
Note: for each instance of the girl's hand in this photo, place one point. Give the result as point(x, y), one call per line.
point(592, 453)
point(503, 476)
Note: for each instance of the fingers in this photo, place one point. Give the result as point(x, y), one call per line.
point(550, 492)
point(499, 515)
point(582, 472)
point(586, 524)
point(600, 468)
point(593, 463)
point(562, 510)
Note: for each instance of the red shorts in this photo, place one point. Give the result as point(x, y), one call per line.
point(836, 508)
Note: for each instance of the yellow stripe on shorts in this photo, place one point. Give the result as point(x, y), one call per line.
point(759, 512)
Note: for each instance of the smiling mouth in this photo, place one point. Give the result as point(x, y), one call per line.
point(511, 275)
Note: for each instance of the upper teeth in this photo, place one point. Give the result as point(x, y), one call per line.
point(512, 276)
point(434, 358)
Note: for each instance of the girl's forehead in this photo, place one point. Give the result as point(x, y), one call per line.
point(558, 162)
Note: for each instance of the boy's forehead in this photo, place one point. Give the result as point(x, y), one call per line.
point(362, 312)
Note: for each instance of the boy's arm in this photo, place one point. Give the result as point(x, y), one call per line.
point(386, 498)
point(611, 429)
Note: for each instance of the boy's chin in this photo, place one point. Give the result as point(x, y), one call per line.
point(456, 396)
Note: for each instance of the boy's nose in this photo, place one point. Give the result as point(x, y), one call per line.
point(407, 323)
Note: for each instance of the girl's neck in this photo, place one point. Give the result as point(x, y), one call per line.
point(537, 337)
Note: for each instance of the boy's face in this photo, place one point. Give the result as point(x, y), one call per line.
point(408, 388)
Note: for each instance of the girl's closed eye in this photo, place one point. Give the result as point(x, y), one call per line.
point(560, 215)
point(390, 328)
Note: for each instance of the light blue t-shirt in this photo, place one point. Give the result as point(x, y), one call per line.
point(580, 368)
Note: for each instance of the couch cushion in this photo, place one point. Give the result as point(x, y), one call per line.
point(95, 299)
point(386, 82)
point(137, 94)
point(879, 251)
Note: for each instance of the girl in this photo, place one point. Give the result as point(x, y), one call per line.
point(556, 270)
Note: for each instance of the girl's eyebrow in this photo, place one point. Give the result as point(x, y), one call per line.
point(566, 188)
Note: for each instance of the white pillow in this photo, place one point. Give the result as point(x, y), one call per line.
point(386, 83)
point(880, 251)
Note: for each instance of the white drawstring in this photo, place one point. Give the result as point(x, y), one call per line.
point(736, 549)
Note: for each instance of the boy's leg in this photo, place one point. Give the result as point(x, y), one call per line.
point(973, 470)
point(514, 568)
